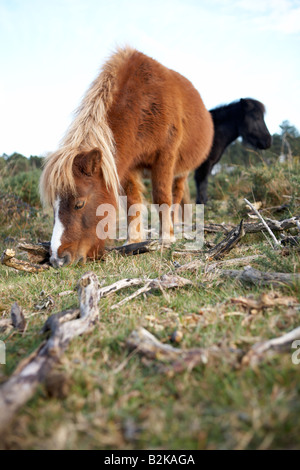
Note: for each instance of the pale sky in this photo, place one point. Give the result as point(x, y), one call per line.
point(51, 50)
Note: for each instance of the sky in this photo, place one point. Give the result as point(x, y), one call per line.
point(51, 50)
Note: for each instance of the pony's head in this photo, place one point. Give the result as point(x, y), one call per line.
point(77, 212)
point(252, 127)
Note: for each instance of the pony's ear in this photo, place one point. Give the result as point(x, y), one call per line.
point(247, 105)
point(88, 163)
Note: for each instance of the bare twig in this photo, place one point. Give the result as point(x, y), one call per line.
point(167, 281)
point(122, 284)
point(174, 360)
point(263, 221)
point(231, 239)
point(141, 290)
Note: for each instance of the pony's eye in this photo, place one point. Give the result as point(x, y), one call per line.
point(79, 205)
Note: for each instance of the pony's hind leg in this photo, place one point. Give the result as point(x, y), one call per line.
point(134, 188)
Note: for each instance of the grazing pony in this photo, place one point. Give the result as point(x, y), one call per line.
point(137, 114)
point(243, 118)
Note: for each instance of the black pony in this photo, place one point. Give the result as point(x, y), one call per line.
point(243, 118)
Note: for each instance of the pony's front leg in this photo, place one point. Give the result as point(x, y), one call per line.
point(162, 179)
point(178, 190)
point(133, 188)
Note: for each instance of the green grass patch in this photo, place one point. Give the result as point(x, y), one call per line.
point(218, 406)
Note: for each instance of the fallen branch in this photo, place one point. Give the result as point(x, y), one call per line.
point(136, 248)
point(167, 281)
point(254, 276)
point(274, 225)
point(37, 253)
point(232, 238)
point(265, 300)
point(33, 370)
point(147, 345)
point(215, 228)
point(197, 264)
point(140, 291)
point(266, 349)
point(174, 360)
point(8, 259)
point(122, 284)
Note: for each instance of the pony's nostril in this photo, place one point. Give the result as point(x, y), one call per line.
point(58, 262)
point(66, 259)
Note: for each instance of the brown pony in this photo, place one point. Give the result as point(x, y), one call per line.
point(137, 114)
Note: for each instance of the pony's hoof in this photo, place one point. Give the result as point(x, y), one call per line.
point(167, 240)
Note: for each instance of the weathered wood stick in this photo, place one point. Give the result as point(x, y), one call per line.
point(231, 239)
point(5, 325)
point(197, 264)
point(8, 259)
point(136, 248)
point(17, 317)
point(266, 349)
point(57, 319)
point(274, 225)
point(147, 345)
point(234, 261)
point(176, 360)
point(254, 276)
point(140, 291)
point(215, 228)
point(38, 253)
point(167, 281)
point(20, 387)
point(122, 284)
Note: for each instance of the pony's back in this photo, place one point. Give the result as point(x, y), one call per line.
point(155, 107)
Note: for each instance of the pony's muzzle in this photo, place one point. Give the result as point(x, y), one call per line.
point(60, 262)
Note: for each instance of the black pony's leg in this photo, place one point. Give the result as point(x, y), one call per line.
point(201, 179)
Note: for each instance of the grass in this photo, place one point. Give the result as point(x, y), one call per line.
point(218, 406)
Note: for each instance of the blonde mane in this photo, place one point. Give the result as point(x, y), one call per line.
point(89, 130)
